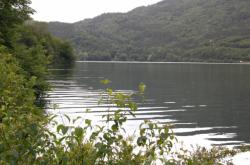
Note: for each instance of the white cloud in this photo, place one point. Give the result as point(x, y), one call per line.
point(76, 10)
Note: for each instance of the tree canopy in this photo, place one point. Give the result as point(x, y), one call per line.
point(12, 13)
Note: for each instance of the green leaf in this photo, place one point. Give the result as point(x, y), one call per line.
point(151, 126)
point(88, 122)
point(62, 128)
point(114, 127)
point(142, 131)
point(65, 130)
point(59, 127)
point(142, 88)
point(106, 136)
point(105, 81)
point(79, 132)
point(109, 91)
point(132, 106)
point(141, 141)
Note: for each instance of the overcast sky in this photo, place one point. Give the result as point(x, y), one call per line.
point(76, 10)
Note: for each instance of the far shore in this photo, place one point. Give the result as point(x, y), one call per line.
point(141, 62)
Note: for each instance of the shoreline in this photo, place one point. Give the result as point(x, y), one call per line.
point(147, 62)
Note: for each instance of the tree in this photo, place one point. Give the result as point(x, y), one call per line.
point(12, 13)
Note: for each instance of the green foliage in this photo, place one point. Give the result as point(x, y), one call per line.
point(30, 43)
point(105, 81)
point(12, 13)
point(28, 141)
point(57, 51)
point(24, 58)
point(108, 143)
point(171, 30)
point(201, 155)
point(21, 122)
point(35, 49)
point(24, 136)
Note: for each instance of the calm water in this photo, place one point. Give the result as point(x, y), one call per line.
point(206, 102)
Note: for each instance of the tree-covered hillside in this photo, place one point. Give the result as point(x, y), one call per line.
point(171, 30)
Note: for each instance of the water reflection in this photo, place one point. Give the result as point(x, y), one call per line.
point(209, 103)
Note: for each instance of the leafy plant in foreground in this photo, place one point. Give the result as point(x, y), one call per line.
point(108, 143)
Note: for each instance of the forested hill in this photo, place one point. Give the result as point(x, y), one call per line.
point(171, 30)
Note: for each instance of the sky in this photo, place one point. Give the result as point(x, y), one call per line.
point(75, 10)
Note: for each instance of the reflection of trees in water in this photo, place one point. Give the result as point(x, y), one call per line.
point(64, 70)
point(56, 72)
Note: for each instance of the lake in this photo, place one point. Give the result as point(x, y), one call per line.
point(207, 103)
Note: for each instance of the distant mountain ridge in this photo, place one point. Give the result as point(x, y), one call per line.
point(171, 30)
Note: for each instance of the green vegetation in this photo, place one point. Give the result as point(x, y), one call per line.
point(35, 34)
point(21, 122)
point(12, 13)
point(172, 30)
point(25, 139)
point(30, 44)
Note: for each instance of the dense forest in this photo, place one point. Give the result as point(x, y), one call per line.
point(171, 30)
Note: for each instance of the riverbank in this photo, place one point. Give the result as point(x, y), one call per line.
point(147, 62)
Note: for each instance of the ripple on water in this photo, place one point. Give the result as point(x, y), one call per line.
point(73, 99)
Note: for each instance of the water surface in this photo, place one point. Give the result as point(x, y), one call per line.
point(206, 102)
